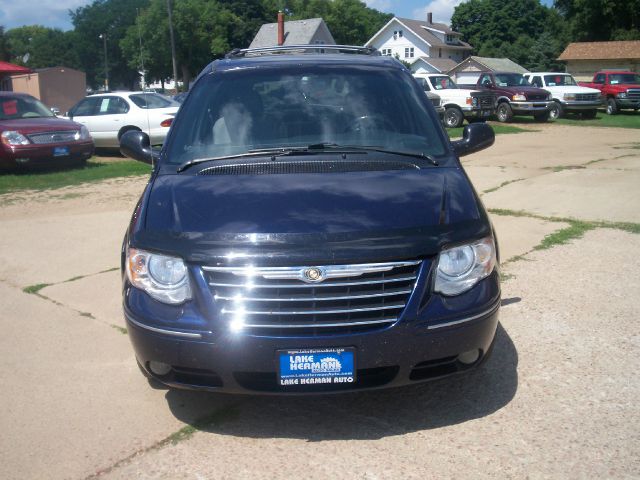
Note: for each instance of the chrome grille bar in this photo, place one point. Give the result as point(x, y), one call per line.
point(312, 312)
point(315, 285)
point(321, 325)
point(392, 293)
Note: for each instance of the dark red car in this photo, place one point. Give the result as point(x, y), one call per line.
point(31, 135)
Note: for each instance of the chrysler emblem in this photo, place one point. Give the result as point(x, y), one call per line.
point(312, 274)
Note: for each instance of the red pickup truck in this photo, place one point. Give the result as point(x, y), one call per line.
point(619, 89)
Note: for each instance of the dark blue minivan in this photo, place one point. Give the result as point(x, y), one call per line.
point(308, 228)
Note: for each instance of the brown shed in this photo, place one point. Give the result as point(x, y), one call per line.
point(59, 87)
point(586, 58)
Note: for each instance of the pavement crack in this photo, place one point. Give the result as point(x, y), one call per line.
point(503, 184)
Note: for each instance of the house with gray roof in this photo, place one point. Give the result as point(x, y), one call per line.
point(468, 71)
point(296, 32)
point(430, 47)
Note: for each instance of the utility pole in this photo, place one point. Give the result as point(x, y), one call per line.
point(103, 36)
point(173, 47)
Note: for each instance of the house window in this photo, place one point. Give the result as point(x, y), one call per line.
point(450, 38)
point(386, 52)
point(408, 52)
point(397, 34)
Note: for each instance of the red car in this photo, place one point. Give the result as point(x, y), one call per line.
point(31, 135)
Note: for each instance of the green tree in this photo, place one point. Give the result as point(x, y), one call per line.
point(523, 30)
point(113, 18)
point(601, 20)
point(36, 46)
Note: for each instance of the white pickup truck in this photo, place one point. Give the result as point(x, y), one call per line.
point(459, 103)
point(568, 96)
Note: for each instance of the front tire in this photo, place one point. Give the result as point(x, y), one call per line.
point(504, 112)
point(453, 117)
point(556, 111)
point(612, 108)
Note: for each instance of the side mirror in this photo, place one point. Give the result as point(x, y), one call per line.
point(136, 145)
point(55, 111)
point(475, 137)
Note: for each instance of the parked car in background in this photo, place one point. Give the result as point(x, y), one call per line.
point(308, 227)
point(180, 97)
point(32, 136)
point(619, 90)
point(568, 96)
point(459, 103)
point(515, 96)
point(436, 101)
point(109, 115)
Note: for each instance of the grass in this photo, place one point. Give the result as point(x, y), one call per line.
point(624, 119)
point(575, 230)
point(94, 171)
point(503, 184)
point(34, 289)
point(497, 128)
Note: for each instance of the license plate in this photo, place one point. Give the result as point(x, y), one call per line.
point(328, 366)
point(60, 151)
point(486, 113)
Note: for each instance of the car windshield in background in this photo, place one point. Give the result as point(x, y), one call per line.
point(443, 82)
point(233, 112)
point(559, 80)
point(616, 78)
point(511, 80)
point(12, 108)
point(152, 100)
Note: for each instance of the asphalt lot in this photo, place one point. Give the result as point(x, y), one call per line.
point(558, 399)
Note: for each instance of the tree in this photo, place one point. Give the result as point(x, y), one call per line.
point(523, 30)
point(36, 46)
point(601, 20)
point(113, 18)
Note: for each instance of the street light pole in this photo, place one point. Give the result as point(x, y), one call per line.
point(103, 36)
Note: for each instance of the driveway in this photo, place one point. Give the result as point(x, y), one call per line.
point(557, 399)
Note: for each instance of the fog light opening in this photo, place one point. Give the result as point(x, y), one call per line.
point(159, 368)
point(469, 357)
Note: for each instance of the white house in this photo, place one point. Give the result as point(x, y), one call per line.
point(434, 44)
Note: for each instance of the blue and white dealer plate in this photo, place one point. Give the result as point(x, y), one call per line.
point(329, 366)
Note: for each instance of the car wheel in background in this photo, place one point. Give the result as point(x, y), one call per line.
point(542, 117)
point(556, 111)
point(612, 108)
point(453, 117)
point(124, 130)
point(504, 112)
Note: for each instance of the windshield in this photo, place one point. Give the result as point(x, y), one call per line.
point(442, 82)
point(511, 80)
point(559, 80)
point(152, 100)
point(235, 111)
point(17, 107)
point(615, 78)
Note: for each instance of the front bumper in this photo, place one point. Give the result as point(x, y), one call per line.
point(530, 107)
point(476, 112)
point(420, 346)
point(628, 102)
point(578, 105)
point(43, 155)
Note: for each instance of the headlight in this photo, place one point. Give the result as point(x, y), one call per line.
point(11, 138)
point(550, 97)
point(163, 277)
point(83, 134)
point(569, 96)
point(622, 95)
point(519, 98)
point(460, 268)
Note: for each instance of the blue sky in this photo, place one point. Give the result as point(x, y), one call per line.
point(54, 13)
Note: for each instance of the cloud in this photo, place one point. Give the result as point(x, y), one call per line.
point(441, 9)
point(49, 13)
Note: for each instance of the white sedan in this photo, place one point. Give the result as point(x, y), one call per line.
point(109, 115)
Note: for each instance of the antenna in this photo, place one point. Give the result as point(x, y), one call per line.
point(144, 80)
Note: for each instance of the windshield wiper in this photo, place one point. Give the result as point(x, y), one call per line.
point(373, 148)
point(252, 153)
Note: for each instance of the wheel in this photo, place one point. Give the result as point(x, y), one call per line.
point(504, 112)
point(589, 114)
point(542, 117)
point(556, 111)
point(612, 108)
point(124, 130)
point(453, 117)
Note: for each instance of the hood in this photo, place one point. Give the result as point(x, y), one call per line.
point(355, 216)
point(46, 124)
point(572, 89)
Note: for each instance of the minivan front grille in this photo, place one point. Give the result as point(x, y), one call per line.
point(318, 300)
point(53, 137)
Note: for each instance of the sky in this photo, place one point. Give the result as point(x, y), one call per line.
point(55, 13)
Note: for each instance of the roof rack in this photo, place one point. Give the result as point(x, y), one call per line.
point(238, 52)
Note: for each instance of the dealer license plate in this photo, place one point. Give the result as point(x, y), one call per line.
point(486, 113)
point(317, 366)
point(60, 151)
